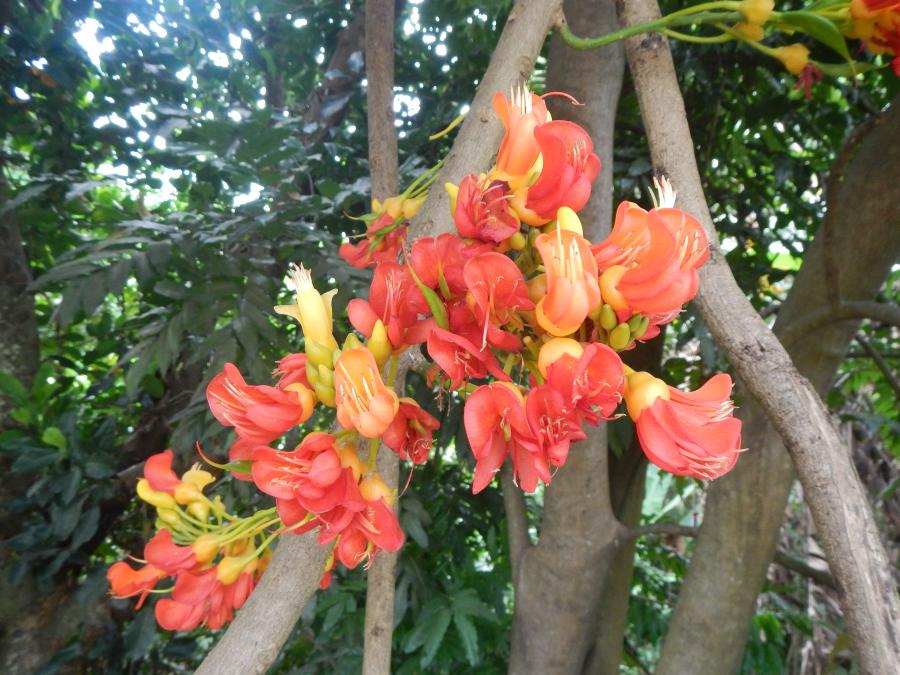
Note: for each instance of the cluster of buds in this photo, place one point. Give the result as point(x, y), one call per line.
point(214, 558)
point(524, 319)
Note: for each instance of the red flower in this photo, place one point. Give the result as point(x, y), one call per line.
point(373, 529)
point(569, 168)
point(258, 413)
point(497, 289)
point(460, 359)
point(158, 472)
point(553, 422)
point(292, 370)
point(382, 243)
point(687, 434)
point(592, 384)
point(438, 262)
point(125, 581)
point(409, 435)
point(311, 473)
point(396, 300)
point(482, 210)
point(650, 260)
point(496, 425)
point(164, 554)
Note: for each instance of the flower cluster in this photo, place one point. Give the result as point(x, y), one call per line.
point(523, 318)
point(877, 24)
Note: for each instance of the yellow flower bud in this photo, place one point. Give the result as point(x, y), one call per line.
point(352, 342)
point(160, 500)
point(319, 355)
point(641, 391)
point(171, 517)
point(312, 310)
point(608, 319)
point(197, 477)
point(568, 220)
point(554, 349)
point(205, 548)
point(229, 569)
point(350, 459)
point(750, 31)
point(756, 11)
point(517, 241)
point(795, 57)
point(411, 206)
point(187, 493)
point(372, 488)
point(379, 344)
point(306, 397)
point(199, 509)
point(452, 192)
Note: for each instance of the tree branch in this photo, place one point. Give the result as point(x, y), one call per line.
point(883, 366)
point(881, 312)
point(516, 520)
point(383, 166)
point(841, 512)
point(252, 642)
point(785, 560)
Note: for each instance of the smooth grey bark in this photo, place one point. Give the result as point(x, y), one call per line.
point(838, 504)
point(383, 166)
point(559, 580)
point(745, 509)
point(252, 642)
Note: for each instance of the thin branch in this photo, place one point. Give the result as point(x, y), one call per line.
point(516, 520)
point(881, 312)
point(883, 366)
point(781, 558)
point(843, 517)
point(383, 166)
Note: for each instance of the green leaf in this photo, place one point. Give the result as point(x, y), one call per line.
point(87, 528)
point(818, 28)
point(847, 69)
point(12, 388)
point(468, 635)
point(64, 518)
point(435, 304)
point(140, 636)
point(34, 459)
point(55, 437)
point(431, 625)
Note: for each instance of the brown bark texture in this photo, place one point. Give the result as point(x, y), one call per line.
point(745, 509)
point(383, 168)
point(252, 642)
point(838, 503)
point(559, 581)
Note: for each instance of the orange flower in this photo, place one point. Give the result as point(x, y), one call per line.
point(521, 113)
point(363, 400)
point(572, 288)
point(877, 24)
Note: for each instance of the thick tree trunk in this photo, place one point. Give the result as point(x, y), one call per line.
point(384, 169)
point(559, 581)
point(839, 506)
point(744, 510)
point(252, 642)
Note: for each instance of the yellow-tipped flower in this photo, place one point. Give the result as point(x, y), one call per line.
point(161, 500)
point(229, 569)
point(756, 11)
point(568, 220)
point(205, 547)
point(556, 348)
point(372, 488)
point(452, 193)
point(379, 344)
point(313, 311)
point(641, 390)
point(750, 31)
point(795, 57)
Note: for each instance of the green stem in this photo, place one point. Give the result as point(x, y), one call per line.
point(658, 25)
point(699, 39)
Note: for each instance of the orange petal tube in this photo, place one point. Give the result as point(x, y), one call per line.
point(572, 287)
point(364, 402)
